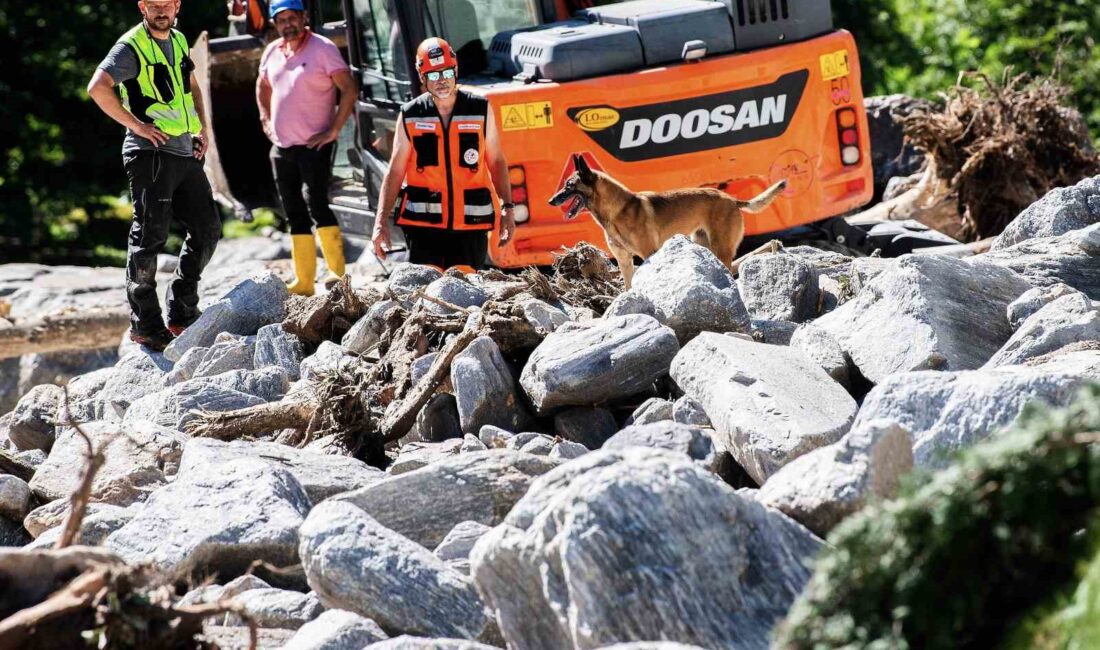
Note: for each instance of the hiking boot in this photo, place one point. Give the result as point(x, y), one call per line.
point(155, 341)
point(177, 328)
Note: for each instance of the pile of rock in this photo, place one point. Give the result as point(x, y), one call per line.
point(661, 471)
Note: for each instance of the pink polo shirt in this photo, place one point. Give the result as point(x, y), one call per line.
point(303, 95)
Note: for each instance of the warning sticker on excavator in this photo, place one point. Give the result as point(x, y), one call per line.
point(834, 65)
point(520, 117)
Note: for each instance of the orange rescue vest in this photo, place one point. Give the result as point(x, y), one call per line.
point(447, 182)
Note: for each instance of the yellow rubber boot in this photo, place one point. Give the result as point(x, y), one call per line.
point(304, 251)
point(332, 247)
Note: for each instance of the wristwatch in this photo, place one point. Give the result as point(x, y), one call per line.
point(507, 205)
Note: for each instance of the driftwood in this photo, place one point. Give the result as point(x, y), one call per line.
point(75, 600)
point(401, 416)
point(253, 420)
point(78, 501)
point(78, 330)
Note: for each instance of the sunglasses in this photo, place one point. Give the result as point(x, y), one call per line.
point(446, 73)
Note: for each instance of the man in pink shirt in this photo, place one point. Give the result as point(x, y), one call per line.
point(296, 91)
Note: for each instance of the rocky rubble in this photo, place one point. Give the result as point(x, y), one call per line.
point(545, 461)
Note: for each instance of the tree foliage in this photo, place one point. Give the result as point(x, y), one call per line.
point(954, 562)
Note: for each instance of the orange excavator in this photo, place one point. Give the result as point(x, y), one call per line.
point(660, 94)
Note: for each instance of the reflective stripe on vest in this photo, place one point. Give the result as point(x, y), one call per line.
point(447, 183)
point(161, 93)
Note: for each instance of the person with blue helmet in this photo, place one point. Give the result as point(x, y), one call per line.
point(300, 74)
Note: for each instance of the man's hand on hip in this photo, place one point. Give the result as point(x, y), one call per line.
point(201, 142)
point(151, 133)
point(321, 139)
point(507, 226)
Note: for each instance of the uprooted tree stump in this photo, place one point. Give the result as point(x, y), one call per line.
point(992, 151)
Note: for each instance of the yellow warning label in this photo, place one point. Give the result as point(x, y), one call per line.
point(533, 115)
point(834, 64)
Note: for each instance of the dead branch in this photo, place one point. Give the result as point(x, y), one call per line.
point(252, 421)
point(79, 499)
point(419, 293)
point(401, 416)
point(772, 246)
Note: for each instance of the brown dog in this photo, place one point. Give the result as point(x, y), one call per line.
point(638, 223)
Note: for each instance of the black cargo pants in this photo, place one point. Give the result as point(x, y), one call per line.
point(163, 186)
point(294, 167)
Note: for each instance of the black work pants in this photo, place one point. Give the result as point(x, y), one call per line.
point(163, 186)
point(297, 166)
point(447, 248)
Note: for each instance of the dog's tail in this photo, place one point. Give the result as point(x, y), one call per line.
point(763, 199)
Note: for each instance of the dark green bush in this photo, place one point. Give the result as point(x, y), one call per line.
point(954, 562)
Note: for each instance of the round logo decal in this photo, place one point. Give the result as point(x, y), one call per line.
point(794, 166)
point(597, 119)
point(470, 157)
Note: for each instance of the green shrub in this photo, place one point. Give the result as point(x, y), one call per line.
point(955, 561)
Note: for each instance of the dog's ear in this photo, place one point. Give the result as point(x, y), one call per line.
point(583, 169)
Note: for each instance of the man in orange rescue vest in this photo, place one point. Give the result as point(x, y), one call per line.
point(447, 152)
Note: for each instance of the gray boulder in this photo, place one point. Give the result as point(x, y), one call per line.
point(53, 514)
point(1035, 299)
point(1061, 210)
point(417, 455)
point(567, 450)
point(584, 364)
point(135, 376)
point(587, 425)
point(96, 526)
point(820, 346)
point(691, 290)
point(328, 358)
point(135, 457)
point(270, 383)
point(234, 354)
point(406, 642)
point(1070, 319)
point(279, 348)
point(631, 301)
point(179, 405)
point(652, 410)
point(948, 411)
point(540, 446)
point(420, 367)
point(479, 486)
point(542, 316)
point(217, 518)
point(494, 437)
point(15, 497)
point(640, 544)
point(185, 368)
point(320, 475)
point(245, 309)
point(773, 332)
point(84, 391)
point(277, 608)
point(33, 423)
point(1072, 258)
point(459, 293)
point(456, 546)
point(355, 563)
point(691, 441)
point(336, 629)
point(821, 488)
point(686, 410)
point(926, 312)
point(470, 442)
point(484, 389)
point(366, 331)
point(407, 278)
point(768, 404)
point(779, 286)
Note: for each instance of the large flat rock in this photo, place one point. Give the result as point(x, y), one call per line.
point(1072, 258)
point(926, 312)
point(768, 404)
point(1061, 210)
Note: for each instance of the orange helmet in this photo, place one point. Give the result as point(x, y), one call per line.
point(434, 54)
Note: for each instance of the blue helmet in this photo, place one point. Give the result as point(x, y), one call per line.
point(283, 5)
